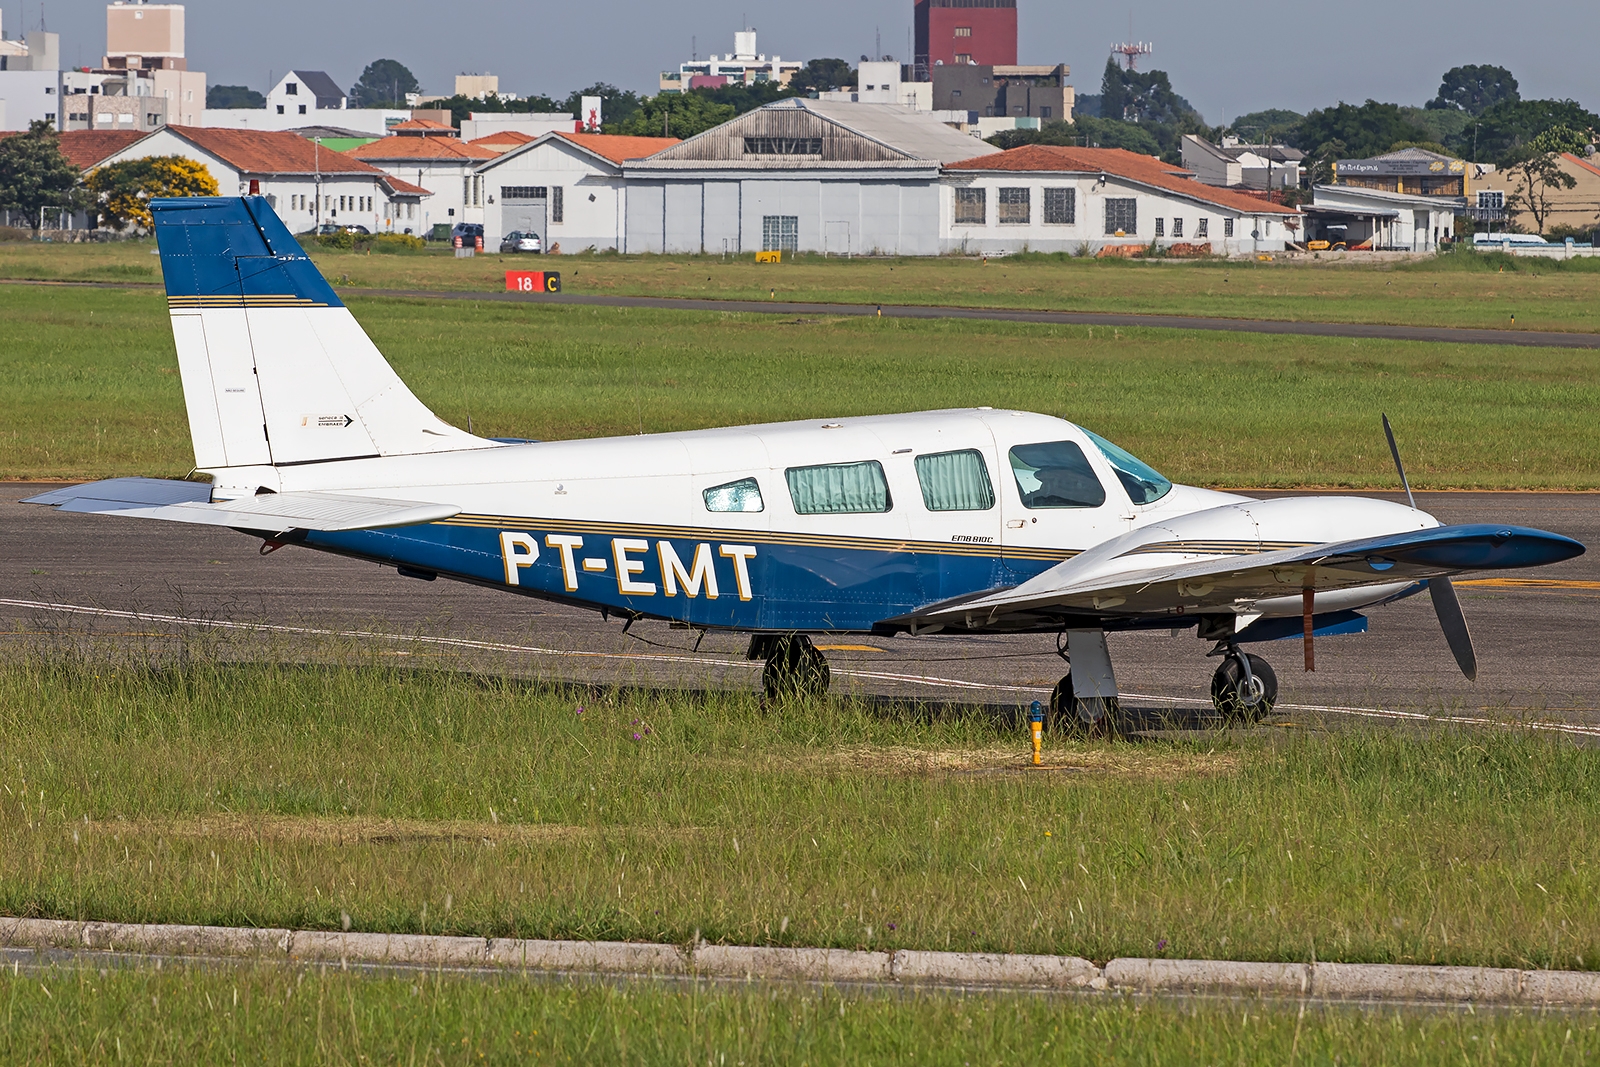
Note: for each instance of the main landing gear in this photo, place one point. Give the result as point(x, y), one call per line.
point(1244, 687)
point(794, 668)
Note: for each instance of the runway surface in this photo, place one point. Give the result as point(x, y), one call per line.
point(1374, 331)
point(71, 577)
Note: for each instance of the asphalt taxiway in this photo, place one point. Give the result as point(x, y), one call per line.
point(66, 577)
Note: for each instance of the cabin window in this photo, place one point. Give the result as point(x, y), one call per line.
point(742, 495)
point(955, 481)
point(838, 488)
point(1143, 483)
point(1055, 474)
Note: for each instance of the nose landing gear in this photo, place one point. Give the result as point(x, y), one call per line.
point(1244, 687)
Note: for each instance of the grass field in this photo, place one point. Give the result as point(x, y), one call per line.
point(447, 803)
point(1490, 290)
point(275, 1016)
point(89, 384)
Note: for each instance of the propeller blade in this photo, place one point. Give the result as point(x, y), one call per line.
point(1394, 450)
point(1454, 625)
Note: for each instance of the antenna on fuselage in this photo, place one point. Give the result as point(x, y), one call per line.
point(1394, 450)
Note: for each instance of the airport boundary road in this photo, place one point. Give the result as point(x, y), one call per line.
point(1278, 327)
point(54, 941)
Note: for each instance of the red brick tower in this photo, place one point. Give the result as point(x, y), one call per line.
point(963, 31)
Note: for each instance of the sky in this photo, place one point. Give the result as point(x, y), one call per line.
point(1227, 57)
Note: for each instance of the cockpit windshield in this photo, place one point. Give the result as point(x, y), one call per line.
point(1143, 483)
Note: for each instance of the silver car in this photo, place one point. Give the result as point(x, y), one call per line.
point(518, 241)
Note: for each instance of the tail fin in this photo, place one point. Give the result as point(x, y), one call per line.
point(275, 369)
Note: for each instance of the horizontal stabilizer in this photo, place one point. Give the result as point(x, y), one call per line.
point(149, 498)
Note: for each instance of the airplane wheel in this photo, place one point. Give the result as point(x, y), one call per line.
point(1067, 714)
point(1235, 700)
point(795, 669)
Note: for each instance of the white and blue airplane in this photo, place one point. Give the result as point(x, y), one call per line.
point(944, 522)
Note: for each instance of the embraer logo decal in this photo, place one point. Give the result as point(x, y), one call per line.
point(337, 422)
point(628, 559)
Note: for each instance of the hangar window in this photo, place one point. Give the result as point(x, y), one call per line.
point(1122, 216)
point(1015, 207)
point(970, 206)
point(1227, 227)
point(780, 233)
point(838, 488)
point(1143, 483)
point(955, 481)
point(522, 192)
point(742, 495)
point(558, 204)
point(1055, 474)
point(1202, 228)
point(1161, 227)
point(1177, 227)
point(783, 146)
point(1060, 207)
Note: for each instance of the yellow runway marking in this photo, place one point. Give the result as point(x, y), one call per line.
point(849, 648)
point(1545, 585)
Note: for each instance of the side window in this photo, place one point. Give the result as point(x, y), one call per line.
point(742, 495)
point(1056, 474)
point(955, 481)
point(838, 488)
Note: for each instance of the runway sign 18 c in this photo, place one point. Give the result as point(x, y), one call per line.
point(533, 281)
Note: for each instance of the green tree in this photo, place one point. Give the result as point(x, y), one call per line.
point(461, 107)
point(1537, 173)
point(673, 115)
point(1113, 92)
point(1474, 89)
point(223, 96)
point(1275, 123)
point(384, 83)
point(823, 75)
point(1501, 132)
point(616, 104)
point(125, 189)
point(34, 174)
point(1367, 130)
point(1084, 131)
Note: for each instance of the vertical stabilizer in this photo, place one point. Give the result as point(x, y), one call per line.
point(275, 368)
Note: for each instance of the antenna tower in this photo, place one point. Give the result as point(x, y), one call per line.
point(1132, 50)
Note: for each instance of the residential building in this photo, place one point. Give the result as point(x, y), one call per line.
point(307, 98)
point(477, 86)
point(434, 157)
point(305, 183)
point(1577, 207)
point(1234, 164)
point(566, 187)
point(123, 99)
point(961, 32)
point(149, 39)
point(743, 66)
point(30, 81)
point(995, 91)
point(884, 82)
point(1049, 198)
point(798, 175)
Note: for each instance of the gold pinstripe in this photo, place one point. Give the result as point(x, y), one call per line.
point(767, 537)
point(235, 300)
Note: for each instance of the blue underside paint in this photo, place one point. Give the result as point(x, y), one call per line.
point(1476, 547)
point(792, 587)
point(234, 247)
point(1327, 624)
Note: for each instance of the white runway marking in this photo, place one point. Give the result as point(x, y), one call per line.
point(656, 657)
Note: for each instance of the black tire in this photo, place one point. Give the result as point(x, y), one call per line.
point(795, 669)
point(1229, 694)
point(1065, 711)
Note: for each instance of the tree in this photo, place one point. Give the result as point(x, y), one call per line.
point(823, 75)
point(1474, 89)
point(1505, 129)
point(1364, 131)
point(1084, 131)
point(1536, 173)
point(1113, 92)
point(1274, 123)
point(384, 83)
point(125, 189)
point(616, 104)
point(1147, 100)
point(224, 96)
point(674, 115)
point(34, 174)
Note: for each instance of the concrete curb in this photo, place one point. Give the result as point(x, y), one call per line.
point(1329, 981)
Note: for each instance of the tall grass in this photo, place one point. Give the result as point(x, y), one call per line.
point(442, 802)
point(275, 1015)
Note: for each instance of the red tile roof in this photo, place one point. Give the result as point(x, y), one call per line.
point(399, 185)
point(1583, 164)
point(85, 148)
point(503, 141)
point(617, 148)
point(441, 148)
point(425, 127)
point(1146, 170)
point(270, 152)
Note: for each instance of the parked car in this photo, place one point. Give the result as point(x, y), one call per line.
point(520, 241)
point(328, 228)
point(467, 231)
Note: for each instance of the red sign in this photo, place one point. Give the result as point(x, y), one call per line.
point(533, 281)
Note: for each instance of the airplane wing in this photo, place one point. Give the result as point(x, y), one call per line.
point(1233, 582)
point(175, 501)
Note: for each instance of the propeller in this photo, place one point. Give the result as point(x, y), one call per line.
point(1446, 605)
